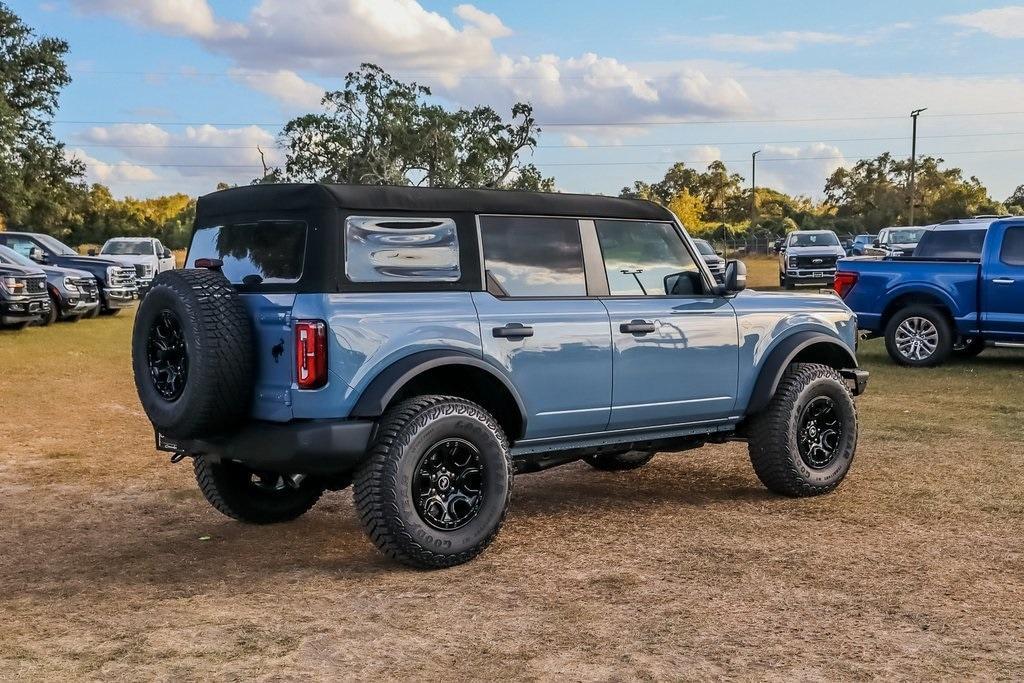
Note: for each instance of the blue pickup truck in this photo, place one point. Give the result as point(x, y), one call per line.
point(962, 290)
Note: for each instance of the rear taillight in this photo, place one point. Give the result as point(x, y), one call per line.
point(310, 354)
point(844, 282)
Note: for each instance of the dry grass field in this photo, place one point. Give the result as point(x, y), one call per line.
point(113, 567)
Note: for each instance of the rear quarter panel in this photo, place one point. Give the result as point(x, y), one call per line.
point(370, 331)
point(880, 282)
point(764, 319)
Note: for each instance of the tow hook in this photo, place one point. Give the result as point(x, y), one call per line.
point(178, 457)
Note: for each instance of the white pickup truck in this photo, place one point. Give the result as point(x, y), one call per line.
point(147, 252)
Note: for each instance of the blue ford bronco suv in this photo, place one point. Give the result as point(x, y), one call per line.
point(425, 345)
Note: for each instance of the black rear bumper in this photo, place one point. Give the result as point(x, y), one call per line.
point(302, 447)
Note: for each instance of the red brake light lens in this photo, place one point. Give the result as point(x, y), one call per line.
point(844, 282)
point(310, 354)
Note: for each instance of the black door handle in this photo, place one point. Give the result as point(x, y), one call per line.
point(513, 331)
point(637, 327)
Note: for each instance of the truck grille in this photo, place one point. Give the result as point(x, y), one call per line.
point(35, 285)
point(87, 287)
point(140, 270)
point(123, 277)
point(816, 262)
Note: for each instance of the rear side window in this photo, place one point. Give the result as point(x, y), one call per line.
point(1012, 253)
point(265, 252)
point(407, 249)
point(963, 244)
point(647, 259)
point(527, 256)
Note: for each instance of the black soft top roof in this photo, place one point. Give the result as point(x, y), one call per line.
point(298, 197)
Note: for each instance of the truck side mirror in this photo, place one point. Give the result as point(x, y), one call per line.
point(37, 255)
point(735, 277)
point(91, 252)
point(875, 243)
point(167, 253)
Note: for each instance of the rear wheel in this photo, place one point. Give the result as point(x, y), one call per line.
point(438, 482)
point(619, 462)
point(253, 496)
point(919, 336)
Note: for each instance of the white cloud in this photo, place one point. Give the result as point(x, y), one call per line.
point(283, 85)
point(1002, 22)
point(784, 41)
point(179, 17)
point(798, 170)
point(97, 171)
point(485, 22)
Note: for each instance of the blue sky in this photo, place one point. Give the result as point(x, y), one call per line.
point(176, 95)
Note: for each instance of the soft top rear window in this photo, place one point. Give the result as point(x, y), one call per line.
point(264, 252)
point(962, 244)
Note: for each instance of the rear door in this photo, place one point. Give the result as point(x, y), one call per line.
point(539, 324)
point(1002, 285)
point(675, 343)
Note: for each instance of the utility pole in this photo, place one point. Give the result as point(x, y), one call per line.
point(913, 160)
point(753, 190)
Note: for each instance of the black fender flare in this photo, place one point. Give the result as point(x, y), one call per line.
point(375, 398)
point(779, 359)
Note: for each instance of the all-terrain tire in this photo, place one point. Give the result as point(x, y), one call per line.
point(220, 362)
point(383, 488)
point(54, 314)
point(255, 497)
point(943, 339)
point(773, 434)
point(619, 462)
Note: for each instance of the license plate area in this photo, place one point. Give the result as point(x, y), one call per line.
point(818, 274)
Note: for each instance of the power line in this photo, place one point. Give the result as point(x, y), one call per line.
point(576, 124)
point(116, 145)
point(659, 162)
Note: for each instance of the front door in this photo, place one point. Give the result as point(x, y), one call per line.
point(1002, 287)
point(675, 342)
point(537, 322)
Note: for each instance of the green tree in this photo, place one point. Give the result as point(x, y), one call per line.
point(39, 186)
point(689, 209)
point(380, 131)
point(1015, 202)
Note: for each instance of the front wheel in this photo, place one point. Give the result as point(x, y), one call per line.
point(54, 313)
point(438, 482)
point(254, 496)
point(803, 443)
point(919, 337)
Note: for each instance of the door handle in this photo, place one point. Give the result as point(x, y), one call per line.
point(1003, 281)
point(513, 331)
point(636, 327)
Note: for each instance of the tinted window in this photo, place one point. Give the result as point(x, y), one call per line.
point(813, 239)
point(951, 244)
point(527, 256)
point(253, 253)
point(638, 257)
point(10, 256)
point(1013, 247)
point(379, 249)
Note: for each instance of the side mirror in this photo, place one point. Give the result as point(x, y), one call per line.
point(92, 252)
point(719, 252)
point(782, 249)
point(37, 255)
point(735, 277)
point(167, 253)
point(876, 243)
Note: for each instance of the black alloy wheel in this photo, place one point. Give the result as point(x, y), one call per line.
point(167, 356)
point(446, 485)
point(820, 433)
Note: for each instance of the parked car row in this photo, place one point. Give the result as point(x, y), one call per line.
point(42, 280)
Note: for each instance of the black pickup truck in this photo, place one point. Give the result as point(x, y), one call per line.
point(23, 296)
point(118, 283)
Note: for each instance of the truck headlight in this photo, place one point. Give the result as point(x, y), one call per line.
point(792, 261)
point(69, 285)
point(111, 271)
point(14, 285)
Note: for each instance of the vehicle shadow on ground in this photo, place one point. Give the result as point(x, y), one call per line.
point(175, 544)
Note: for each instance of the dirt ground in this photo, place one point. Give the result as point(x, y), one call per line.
point(113, 567)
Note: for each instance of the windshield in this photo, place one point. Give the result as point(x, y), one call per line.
point(127, 248)
point(813, 239)
point(908, 236)
point(56, 246)
point(8, 255)
point(704, 248)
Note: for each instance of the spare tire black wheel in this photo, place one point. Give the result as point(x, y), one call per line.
point(192, 354)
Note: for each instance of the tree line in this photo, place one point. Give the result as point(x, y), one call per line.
point(379, 130)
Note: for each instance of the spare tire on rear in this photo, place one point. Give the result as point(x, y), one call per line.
point(192, 354)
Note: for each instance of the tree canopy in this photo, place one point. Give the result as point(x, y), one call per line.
point(381, 131)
